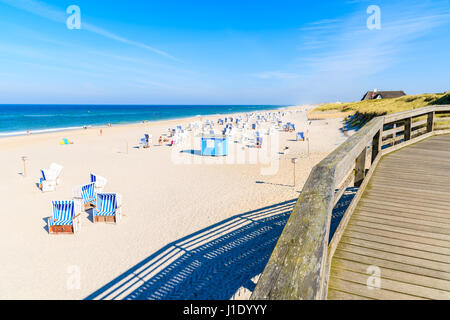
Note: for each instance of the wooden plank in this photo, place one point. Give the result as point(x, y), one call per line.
point(418, 123)
point(386, 215)
point(433, 203)
point(393, 265)
point(393, 274)
point(439, 244)
point(417, 214)
point(392, 131)
point(363, 290)
point(415, 261)
point(403, 230)
point(340, 295)
point(397, 242)
point(404, 225)
point(409, 253)
point(393, 285)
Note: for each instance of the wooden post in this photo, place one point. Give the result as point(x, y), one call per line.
point(430, 122)
point(24, 159)
point(308, 145)
point(294, 174)
point(360, 168)
point(376, 144)
point(408, 126)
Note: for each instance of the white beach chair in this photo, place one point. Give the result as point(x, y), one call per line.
point(50, 178)
point(57, 169)
point(100, 183)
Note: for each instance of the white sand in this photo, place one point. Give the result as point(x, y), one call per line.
point(163, 201)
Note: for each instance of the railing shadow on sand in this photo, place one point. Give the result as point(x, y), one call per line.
point(213, 263)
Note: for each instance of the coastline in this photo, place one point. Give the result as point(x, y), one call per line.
point(24, 132)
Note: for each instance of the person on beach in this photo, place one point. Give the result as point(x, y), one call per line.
point(160, 140)
point(101, 132)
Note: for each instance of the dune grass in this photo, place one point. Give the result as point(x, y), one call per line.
point(363, 111)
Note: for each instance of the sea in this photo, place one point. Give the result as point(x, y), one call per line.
point(19, 119)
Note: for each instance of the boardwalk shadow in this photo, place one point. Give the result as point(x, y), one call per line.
point(340, 208)
point(211, 264)
point(192, 151)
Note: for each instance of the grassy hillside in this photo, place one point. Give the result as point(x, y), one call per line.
point(363, 111)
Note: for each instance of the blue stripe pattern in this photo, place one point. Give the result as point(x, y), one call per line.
point(88, 193)
point(43, 175)
point(106, 204)
point(93, 178)
point(63, 213)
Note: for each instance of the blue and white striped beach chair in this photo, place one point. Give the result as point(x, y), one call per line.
point(87, 194)
point(65, 217)
point(100, 182)
point(300, 136)
point(108, 208)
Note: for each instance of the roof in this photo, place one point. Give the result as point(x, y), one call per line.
point(383, 94)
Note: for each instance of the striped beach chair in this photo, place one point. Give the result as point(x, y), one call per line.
point(65, 217)
point(86, 194)
point(300, 136)
point(108, 207)
point(100, 182)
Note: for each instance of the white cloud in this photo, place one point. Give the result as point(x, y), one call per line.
point(339, 58)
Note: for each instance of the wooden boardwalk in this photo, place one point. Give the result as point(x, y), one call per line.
point(399, 229)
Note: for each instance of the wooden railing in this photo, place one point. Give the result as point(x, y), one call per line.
point(300, 263)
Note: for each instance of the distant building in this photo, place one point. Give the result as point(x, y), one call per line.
point(375, 94)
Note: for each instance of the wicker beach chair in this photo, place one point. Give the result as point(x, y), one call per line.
point(50, 178)
point(300, 136)
point(108, 208)
point(65, 217)
point(86, 194)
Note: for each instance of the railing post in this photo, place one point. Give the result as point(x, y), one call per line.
point(376, 144)
point(408, 126)
point(430, 122)
point(360, 168)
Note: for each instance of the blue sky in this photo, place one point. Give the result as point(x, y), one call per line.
point(220, 51)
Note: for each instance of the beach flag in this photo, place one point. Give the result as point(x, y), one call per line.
point(65, 141)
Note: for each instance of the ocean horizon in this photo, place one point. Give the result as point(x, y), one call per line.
point(20, 118)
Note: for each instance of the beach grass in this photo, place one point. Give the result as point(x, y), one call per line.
point(363, 111)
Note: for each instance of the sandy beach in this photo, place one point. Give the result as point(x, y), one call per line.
point(163, 200)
